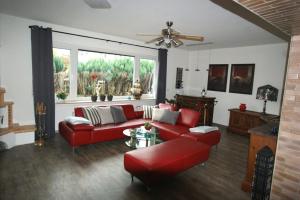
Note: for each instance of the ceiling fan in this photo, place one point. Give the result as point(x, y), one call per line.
point(169, 37)
point(98, 4)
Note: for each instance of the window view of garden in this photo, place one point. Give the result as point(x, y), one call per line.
point(61, 65)
point(101, 73)
point(147, 68)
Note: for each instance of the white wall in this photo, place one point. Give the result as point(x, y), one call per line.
point(15, 60)
point(269, 69)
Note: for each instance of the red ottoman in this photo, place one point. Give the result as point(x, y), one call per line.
point(160, 161)
point(210, 138)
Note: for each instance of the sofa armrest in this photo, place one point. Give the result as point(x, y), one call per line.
point(139, 114)
point(80, 127)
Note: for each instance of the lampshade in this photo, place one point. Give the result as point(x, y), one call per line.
point(267, 92)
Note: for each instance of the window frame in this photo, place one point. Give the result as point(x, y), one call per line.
point(74, 49)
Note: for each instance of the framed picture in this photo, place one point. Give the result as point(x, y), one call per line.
point(217, 77)
point(241, 78)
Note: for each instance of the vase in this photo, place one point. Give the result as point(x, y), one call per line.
point(102, 97)
point(243, 107)
point(94, 98)
point(110, 97)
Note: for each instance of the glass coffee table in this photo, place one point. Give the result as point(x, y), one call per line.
point(140, 137)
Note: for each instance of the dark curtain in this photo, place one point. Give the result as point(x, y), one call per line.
point(162, 76)
point(42, 75)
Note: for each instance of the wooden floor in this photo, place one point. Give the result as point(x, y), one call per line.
point(96, 172)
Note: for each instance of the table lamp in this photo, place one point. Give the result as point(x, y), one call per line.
point(267, 93)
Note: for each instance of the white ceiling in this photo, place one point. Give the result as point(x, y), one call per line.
point(126, 18)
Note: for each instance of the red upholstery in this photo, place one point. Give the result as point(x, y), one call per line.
point(188, 117)
point(167, 106)
point(114, 131)
point(78, 112)
point(129, 111)
point(169, 131)
point(211, 138)
point(75, 138)
point(80, 134)
point(160, 161)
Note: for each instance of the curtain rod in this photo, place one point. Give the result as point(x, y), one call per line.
point(96, 38)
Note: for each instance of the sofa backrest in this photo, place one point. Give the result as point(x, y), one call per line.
point(188, 117)
point(167, 106)
point(127, 108)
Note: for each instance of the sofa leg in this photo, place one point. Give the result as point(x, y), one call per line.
point(148, 188)
point(217, 147)
point(74, 150)
point(203, 164)
point(132, 178)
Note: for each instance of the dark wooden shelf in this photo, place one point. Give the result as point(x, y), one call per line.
point(241, 121)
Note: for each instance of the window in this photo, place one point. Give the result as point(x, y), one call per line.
point(82, 73)
point(103, 73)
point(61, 65)
point(147, 69)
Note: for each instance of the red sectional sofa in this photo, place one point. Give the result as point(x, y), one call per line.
point(77, 135)
point(164, 160)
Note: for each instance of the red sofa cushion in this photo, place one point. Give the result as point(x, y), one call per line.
point(169, 131)
point(167, 106)
point(166, 159)
point(210, 138)
point(188, 117)
point(129, 111)
point(78, 112)
point(114, 131)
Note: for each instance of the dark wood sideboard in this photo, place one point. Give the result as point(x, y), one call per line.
point(200, 104)
point(259, 137)
point(241, 121)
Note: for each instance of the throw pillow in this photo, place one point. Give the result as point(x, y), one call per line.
point(92, 114)
point(203, 129)
point(148, 111)
point(77, 120)
point(118, 114)
point(105, 114)
point(129, 111)
point(165, 115)
point(167, 106)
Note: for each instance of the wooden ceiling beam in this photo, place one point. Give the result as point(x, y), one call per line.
point(243, 12)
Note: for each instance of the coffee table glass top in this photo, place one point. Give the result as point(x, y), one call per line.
point(140, 137)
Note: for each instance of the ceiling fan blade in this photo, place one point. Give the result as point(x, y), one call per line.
point(199, 44)
point(155, 40)
point(190, 37)
point(98, 4)
point(151, 35)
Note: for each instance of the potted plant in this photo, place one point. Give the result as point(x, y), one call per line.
point(94, 97)
point(94, 93)
point(102, 97)
point(62, 95)
point(110, 93)
point(147, 126)
point(110, 97)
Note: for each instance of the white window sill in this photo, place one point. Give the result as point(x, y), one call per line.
point(101, 102)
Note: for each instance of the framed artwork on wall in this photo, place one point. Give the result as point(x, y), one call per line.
point(241, 78)
point(217, 77)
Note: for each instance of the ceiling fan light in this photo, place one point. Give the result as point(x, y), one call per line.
point(159, 42)
point(98, 4)
point(168, 45)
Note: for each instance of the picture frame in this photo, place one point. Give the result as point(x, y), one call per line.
point(241, 78)
point(217, 77)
